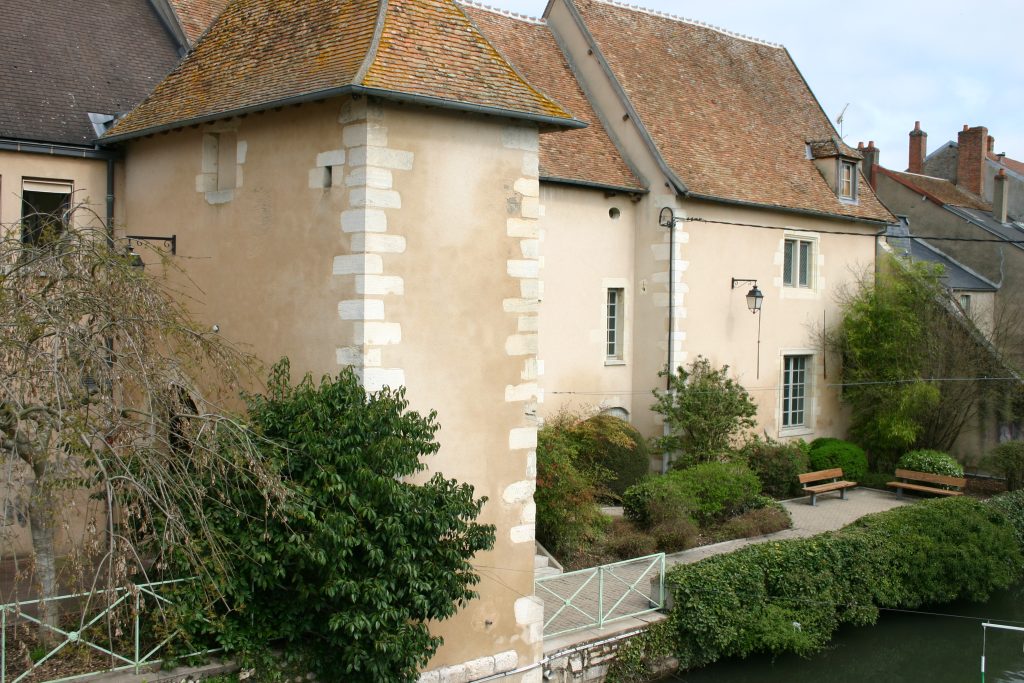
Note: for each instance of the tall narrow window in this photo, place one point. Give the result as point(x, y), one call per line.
point(44, 209)
point(616, 301)
point(796, 268)
point(794, 391)
point(847, 180)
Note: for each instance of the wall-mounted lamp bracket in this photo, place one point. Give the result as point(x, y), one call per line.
point(736, 282)
point(170, 243)
point(667, 217)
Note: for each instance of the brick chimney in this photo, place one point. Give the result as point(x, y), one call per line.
point(918, 148)
point(1000, 197)
point(870, 166)
point(972, 147)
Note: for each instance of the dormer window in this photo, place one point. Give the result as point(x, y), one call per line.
point(848, 180)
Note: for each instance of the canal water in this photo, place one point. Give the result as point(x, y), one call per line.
point(900, 648)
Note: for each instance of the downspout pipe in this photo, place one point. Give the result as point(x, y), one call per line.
point(667, 219)
point(110, 203)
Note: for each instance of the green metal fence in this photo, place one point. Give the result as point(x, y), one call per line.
point(597, 596)
point(125, 652)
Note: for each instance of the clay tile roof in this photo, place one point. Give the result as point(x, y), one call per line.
point(730, 115)
point(586, 156)
point(195, 16)
point(62, 59)
point(262, 53)
point(1011, 164)
point(939, 190)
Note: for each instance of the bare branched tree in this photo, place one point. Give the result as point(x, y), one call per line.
point(104, 430)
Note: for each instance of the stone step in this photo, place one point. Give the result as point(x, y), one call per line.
point(540, 561)
point(545, 571)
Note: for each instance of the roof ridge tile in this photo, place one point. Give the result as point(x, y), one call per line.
point(692, 22)
point(525, 18)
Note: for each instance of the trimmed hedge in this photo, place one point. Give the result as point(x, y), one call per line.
point(791, 596)
point(711, 492)
point(836, 453)
point(935, 462)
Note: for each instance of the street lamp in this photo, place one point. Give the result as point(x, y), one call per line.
point(754, 301)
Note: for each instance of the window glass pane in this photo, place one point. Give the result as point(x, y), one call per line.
point(613, 322)
point(794, 390)
point(805, 263)
point(787, 265)
point(43, 215)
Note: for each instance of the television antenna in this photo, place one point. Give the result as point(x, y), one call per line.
point(839, 119)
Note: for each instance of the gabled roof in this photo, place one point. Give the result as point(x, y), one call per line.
point(265, 53)
point(195, 16)
point(955, 275)
point(63, 59)
point(730, 116)
point(938, 190)
point(586, 156)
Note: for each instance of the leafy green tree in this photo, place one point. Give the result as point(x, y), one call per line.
point(346, 576)
point(705, 409)
point(901, 338)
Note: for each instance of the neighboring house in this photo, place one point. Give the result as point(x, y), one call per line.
point(69, 67)
point(948, 218)
point(723, 131)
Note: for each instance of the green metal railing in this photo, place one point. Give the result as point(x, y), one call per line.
point(137, 656)
point(597, 596)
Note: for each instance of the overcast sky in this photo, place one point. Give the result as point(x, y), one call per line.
point(945, 63)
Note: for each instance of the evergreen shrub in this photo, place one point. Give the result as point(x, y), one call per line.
point(849, 456)
point(777, 465)
point(1012, 506)
point(615, 446)
point(934, 462)
point(1007, 460)
point(710, 492)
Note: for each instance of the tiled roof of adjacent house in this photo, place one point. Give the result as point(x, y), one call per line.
point(939, 190)
point(195, 16)
point(1011, 164)
point(587, 156)
point(731, 116)
point(63, 59)
point(261, 53)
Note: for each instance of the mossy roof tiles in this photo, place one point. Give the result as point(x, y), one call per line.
point(195, 16)
point(939, 190)
point(586, 156)
point(261, 53)
point(730, 116)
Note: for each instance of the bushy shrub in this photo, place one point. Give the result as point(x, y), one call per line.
point(614, 445)
point(1007, 460)
point(791, 596)
point(673, 537)
point(1012, 506)
point(624, 542)
point(935, 462)
point(710, 492)
point(756, 522)
point(821, 441)
point(568, 516)
point(849, 456)
point(777, 465)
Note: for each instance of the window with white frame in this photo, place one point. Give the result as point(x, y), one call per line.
point(848, 180)
point(798, 262)
point(613, 323)
point(795, 390)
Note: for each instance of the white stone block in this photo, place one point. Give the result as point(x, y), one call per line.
point(529, 323)
point(358, 264)
point(480, 668)
point(373, 358)
point(522, 437)
point(377, 243)
point(529, 610)
point(241, 151)
point(337, 176)
point(361, 309)
point(521, 345)
point(528, 187)
point(456, 673)
point(394, 159)
point(353, 110)
point(529, 370)
point(506, 661)
point(206, 182)
point(220, 197)
point(529, 515)
point(371, 133)
point(521, 392)
point(350, 356)
point(375, 379)
point(530, 208)
point(531, 464)
point(373, 198)
point(531, 165)
point(429, 677)
point(319, 178)
point(378, 333)
point(531, 288)
point(519, 492)
point(334, 157)
point(380, 285)
point(523, 268)
point(523, 228)
point(370, 176)
point(364, 220)
point(530, 248)
point(521, 137)
point(521, 305)
point(524, 533)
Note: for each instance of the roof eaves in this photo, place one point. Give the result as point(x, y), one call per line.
point(792, 210)
point(966, 215)
point(577, 18)
point(593, 185)
point(910, 186)
point(54, 149)
point(424, 100)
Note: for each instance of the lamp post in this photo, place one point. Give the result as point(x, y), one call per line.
point(755, 299)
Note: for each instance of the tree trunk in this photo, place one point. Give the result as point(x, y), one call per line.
point(41, 519)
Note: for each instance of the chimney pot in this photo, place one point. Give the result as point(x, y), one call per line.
point(871, 144)
point(860, 145)
point(918, 149)
point(966, 128)
point(1000, 197)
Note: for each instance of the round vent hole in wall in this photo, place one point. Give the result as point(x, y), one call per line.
point(614, 213)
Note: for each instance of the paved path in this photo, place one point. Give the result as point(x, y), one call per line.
point(829, 514)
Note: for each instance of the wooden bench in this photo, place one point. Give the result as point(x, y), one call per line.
point(928, 483)
point(833, 481)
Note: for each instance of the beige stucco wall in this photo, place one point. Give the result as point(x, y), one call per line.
point(403, 242)
point(87, 177)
